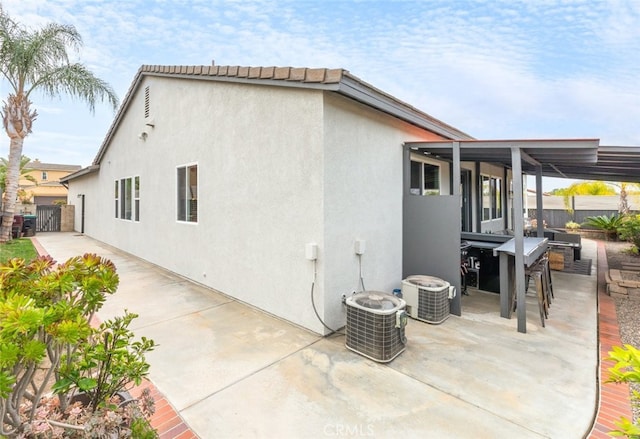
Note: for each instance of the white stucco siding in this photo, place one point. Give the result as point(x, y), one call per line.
point(259, 156)
point(277, 168)
point(88, 186)
point(363, 200)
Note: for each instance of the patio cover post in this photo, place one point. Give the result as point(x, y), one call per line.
point(518, 232)
point(539, 207)
point(456, 303)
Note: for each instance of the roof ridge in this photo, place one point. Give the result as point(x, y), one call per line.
point(299, 74)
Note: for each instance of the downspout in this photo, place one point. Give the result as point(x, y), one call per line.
point(81, 196)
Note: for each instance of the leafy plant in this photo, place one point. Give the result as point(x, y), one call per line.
point(626, 370)
point(571, 225)
point(582, 188)
point(45, 334)
point(630, 230)
point(610, 224)
point(129, 419)
point(106, 363)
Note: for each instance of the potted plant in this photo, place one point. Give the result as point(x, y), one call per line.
point(572, 227)
point(47, 343)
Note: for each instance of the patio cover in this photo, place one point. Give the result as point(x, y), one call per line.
point(572, 158)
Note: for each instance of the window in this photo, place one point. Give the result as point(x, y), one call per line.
point(44, 176)
point(187, 178)
point(127, 198)
point(117, 192)
point(136, 198)
point(491, 198)
point(425, 178)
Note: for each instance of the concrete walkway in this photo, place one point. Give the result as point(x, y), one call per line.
point(233, 371)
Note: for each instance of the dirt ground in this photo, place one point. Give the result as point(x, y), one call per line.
point(619, 252)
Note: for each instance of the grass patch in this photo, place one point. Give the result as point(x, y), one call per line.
point(633, 250)
point(18, 248)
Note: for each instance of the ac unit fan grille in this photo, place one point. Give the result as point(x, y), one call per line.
point(433, 306)
point(374, 335)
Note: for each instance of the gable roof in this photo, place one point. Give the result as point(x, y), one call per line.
point(339, 81)
point(37, 165)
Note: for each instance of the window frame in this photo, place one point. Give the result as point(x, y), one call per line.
point(186, 202)
point(492, 197)
point(127, 198)
point(418, 183)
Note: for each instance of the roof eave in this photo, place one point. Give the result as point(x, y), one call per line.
point(80, 173)
point(360, 91)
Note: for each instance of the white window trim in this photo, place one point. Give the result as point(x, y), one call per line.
point(424, 160)
point(133, 198)
point(187, 165)
point(498, 202)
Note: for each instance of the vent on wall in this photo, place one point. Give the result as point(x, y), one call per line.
point(146, 102)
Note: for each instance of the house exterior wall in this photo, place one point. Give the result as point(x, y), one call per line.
point(363, 162)
point(277, 168)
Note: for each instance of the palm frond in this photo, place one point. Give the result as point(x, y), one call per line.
point(78, 82)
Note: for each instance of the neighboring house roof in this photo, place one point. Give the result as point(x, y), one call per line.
point(335, 80)
point(36, 165)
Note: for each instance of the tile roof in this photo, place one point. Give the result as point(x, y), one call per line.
point(334, 80)
point(298, 74)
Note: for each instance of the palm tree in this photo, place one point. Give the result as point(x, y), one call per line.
point(23, 171)
point(583, 188)
point(33, 60)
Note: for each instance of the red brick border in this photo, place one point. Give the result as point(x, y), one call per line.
point(166, 419)
point(614, 398)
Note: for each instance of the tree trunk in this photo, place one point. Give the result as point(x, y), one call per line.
point(17, 119)
point(11, 190)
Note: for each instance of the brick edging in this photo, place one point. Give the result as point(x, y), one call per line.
point(613, 398)
point(166, 420)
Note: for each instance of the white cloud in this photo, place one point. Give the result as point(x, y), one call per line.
point(494, 69)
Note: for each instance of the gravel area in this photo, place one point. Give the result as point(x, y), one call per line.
point(628, 310)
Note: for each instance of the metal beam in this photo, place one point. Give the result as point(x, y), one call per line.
point(527, 158)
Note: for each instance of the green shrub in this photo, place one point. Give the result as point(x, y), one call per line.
point(571, 225)
point(610, 224)
point(626, 370)
point(630, 230)
point(45, 337)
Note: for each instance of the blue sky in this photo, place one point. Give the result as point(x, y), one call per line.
point(494, 69)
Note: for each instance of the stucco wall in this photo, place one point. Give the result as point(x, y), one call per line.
point(278, 168)
point(362, 199)
point(258, 151)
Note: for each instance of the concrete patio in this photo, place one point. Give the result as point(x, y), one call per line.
point(233, 371)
